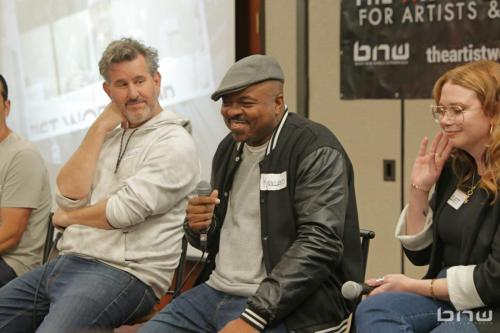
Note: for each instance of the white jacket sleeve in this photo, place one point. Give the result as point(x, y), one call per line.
point(418, 241)
point(461, 288)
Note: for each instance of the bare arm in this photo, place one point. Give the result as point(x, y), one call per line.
point(14, 223)
point(91, 216)
point(425, 173)
point(75, 178)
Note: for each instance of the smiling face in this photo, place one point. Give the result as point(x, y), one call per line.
point(131, 86)
point(253, 113)
point(471, 135)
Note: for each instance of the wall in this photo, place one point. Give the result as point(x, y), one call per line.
point(281, 42)
point(368, 129)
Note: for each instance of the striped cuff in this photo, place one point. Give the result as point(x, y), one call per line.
point(253, 319)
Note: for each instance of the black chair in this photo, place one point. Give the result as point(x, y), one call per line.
point(49, 240)
point(175, 290)
point(366, 236)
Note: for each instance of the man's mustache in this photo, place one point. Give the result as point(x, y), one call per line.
point(134, 101)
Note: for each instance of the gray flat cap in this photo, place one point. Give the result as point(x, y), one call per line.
point(247, 71)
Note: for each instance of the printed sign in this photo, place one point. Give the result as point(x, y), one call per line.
point(395, 48)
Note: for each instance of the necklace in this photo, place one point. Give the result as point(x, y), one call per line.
point(472, 188)
point(122, 153)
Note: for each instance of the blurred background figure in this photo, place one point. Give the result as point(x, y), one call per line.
point(25, 199)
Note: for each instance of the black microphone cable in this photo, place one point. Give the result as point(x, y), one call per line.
point(37, 290)
point(202, 189)
point(183, 283)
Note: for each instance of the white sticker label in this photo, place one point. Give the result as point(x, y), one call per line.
point(273, 181)
point(457, 199)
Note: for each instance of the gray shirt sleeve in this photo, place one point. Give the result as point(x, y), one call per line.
point(24, 181)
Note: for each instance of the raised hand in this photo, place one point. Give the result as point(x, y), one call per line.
point(110, 118)
point(429, 164)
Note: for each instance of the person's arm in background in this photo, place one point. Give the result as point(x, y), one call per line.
point(14, 223)
point(21, 193)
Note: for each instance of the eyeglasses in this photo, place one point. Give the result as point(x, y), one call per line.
point(454, 113)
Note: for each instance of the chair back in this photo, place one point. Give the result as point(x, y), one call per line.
point(49, 239)
point(366, 236)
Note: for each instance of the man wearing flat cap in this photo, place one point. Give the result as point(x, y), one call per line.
point(282, 223)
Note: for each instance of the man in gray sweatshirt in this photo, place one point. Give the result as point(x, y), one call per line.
point(121, 199)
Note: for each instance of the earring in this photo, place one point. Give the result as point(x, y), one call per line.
point(491, 129)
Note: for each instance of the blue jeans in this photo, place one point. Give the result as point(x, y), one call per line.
point(409, 312)
point(75, 295)
point(200, 310)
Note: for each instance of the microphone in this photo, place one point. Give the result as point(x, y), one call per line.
point(352, 290)
point(203, 189)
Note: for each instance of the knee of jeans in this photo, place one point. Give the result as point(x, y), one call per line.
point(370, 312)
point(371, 305)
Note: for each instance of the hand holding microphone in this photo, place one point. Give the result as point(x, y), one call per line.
point(390, 282)
point(200, 210)
point(352, 290)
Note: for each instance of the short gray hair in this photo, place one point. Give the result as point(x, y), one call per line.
point(127, 49)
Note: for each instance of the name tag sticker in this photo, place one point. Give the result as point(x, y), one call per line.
point(457, 199)
point(272, 181)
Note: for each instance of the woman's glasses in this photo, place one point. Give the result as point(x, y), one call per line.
point(454, 113)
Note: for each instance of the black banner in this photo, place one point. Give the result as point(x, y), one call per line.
point(394, 48)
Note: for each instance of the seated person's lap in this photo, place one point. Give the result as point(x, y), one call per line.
point(81, 293)
point(201, 309)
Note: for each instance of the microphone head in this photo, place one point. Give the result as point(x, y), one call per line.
point(203, 188)
point(351, 290)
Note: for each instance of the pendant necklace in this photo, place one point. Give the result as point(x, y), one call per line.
point(120, 152)
point(471, 190)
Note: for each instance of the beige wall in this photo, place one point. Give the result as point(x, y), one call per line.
point(280, 40)
point(369, 129)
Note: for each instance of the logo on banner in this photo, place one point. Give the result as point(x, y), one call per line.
point(381, 54)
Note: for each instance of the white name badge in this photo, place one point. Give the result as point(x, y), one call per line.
point(457, 199)
point(273, 181)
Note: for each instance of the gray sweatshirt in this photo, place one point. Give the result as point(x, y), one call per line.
point(147, 199)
